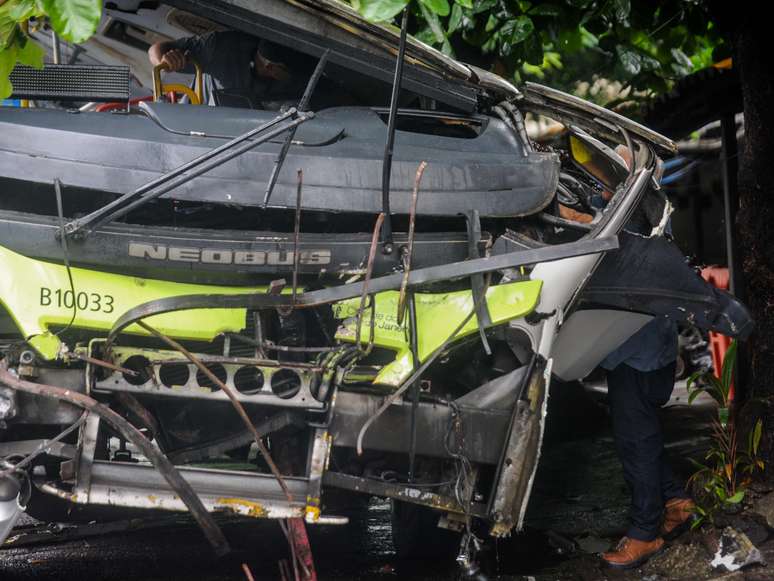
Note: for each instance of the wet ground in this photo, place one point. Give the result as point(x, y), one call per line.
point(579, 506)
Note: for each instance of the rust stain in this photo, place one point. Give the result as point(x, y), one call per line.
point(242, 506)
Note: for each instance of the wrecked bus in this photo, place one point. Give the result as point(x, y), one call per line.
point(232, 309)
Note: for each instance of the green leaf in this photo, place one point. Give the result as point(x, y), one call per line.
point(757, 433)
point(723, 416)
point(570, 40)
point(729, 359)
point(31, 54)
point(7, 62)
point(682, 65)
point(484, 6)
point(621, 10)
point(20, 10)
point(74, 20)
point(439, 7)
point(533, 50)
point(517, 30)
point(716, 389)
point(464, 3)
point(492, 23)
point(736, 498)
point(425, 35)
point(545, 10)
point(681, 57)
point(579, 3)
point(698, 376)
point(630, 60)
point(434, 23)
point(455, 19)
point(693, 394)
point(381, 10)
point(9, 30)
point(649, 63)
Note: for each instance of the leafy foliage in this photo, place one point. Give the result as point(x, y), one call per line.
point(717, 388)
point(728, 468)
point(646, 45)
point(73, 20)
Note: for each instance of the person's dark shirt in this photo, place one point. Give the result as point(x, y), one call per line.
point(655, 345)
point(226, 58)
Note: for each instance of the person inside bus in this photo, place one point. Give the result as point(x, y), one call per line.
point(240, 70)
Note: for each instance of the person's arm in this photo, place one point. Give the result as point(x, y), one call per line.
point(169, 54)
point(270, 69)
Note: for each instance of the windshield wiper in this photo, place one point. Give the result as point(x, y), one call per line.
point(303, 104)
point(214, 158)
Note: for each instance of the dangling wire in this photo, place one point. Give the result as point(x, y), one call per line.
point(388, 401)
point(65, 253)
point(44, 447)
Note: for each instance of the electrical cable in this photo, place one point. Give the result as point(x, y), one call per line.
point(419, 371)
point(65, 254)
point(45, 446)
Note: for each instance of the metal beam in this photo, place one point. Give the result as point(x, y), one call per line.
point(376, 285)
point(141, 486)
point(406, 493)
point(485, 430)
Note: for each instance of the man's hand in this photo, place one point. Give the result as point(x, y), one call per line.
point(277, 71)
point(266, 69)
point(174, 60)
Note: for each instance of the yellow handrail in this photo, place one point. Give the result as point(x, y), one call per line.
point(196, 97)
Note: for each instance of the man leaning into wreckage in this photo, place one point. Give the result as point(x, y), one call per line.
point(640, 380)
point(240, 70)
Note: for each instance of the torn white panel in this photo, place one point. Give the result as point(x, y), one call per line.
point(588, 336)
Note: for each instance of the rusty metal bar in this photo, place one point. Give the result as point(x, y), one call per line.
point(184, 490)
point(417, 277)
point(101, 363)
point(271, 346)
point(366, 282)
point(388, 401)
point(406, 493)
point(410, 249)
point(297, 232)
point(234, 400)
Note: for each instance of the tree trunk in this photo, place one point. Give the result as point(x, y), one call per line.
point(755, 220)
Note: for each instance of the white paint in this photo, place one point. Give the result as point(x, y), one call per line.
point(588, 336)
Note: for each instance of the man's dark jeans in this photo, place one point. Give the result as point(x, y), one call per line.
point(635, 398)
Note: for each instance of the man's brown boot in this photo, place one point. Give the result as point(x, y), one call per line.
point(678, 515)
point(631, 552)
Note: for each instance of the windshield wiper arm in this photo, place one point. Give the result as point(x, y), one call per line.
point(178, 176)
point(303, 104)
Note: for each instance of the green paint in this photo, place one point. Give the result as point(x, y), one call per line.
point(47, 344)
point(37, 295)
point(438, 314)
